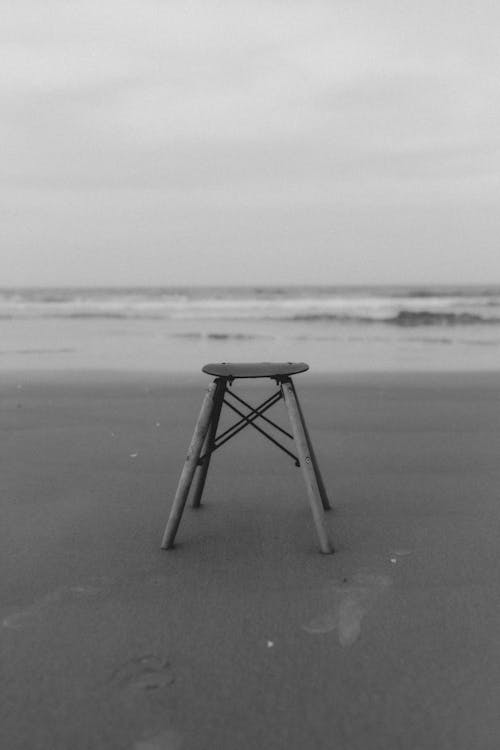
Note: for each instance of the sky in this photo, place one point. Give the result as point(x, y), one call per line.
point(160, 142)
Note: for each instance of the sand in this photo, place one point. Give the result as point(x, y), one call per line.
point(244, 636)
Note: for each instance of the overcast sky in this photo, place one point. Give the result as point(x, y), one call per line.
point(163, 142)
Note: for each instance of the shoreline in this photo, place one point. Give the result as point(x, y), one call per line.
point(8, 374)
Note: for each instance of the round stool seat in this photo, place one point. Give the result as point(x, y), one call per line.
point(254, 369)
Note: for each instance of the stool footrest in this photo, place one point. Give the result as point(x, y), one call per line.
point(245, 419)
point(262, 432)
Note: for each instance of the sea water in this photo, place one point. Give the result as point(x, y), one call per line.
point(335, 329)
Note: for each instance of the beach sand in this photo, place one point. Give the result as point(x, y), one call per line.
point(244, 635)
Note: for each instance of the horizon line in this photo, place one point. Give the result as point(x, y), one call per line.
point(264, 285)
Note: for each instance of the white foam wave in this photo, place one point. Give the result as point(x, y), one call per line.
point(285, 304)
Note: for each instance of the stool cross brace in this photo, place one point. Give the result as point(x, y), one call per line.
point(205, 442)
point(249, 421)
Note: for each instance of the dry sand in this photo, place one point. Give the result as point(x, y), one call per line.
point(244, 636)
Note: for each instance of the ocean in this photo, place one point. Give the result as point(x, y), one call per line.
point(176, 330)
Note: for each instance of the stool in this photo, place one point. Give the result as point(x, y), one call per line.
point(205, 437)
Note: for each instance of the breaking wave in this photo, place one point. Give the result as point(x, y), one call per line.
point(405, 318)
point(397, 306)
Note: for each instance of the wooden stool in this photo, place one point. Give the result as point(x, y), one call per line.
point(205, 437)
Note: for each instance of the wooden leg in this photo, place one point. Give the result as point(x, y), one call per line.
point(319, 479)
point(199, 481)
point(190, 464)
point(302, 446)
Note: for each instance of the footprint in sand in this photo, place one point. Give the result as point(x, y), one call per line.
point(349, 603)
point(146, 672)
point(168, 740)
point(397, 554)
point(52, 602)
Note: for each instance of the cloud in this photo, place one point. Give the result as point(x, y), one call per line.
point(126, 89)
point(261, 107)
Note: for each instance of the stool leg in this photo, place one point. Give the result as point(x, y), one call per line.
point(319, 479)
point(189, 468)
point(306, 466)
point(200, 478)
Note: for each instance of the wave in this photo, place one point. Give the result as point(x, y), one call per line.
point(431, 318)
point(103, 315)
point(404, 318)
point(397, 306)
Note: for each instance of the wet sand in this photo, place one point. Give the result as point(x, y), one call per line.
point(244, 636)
